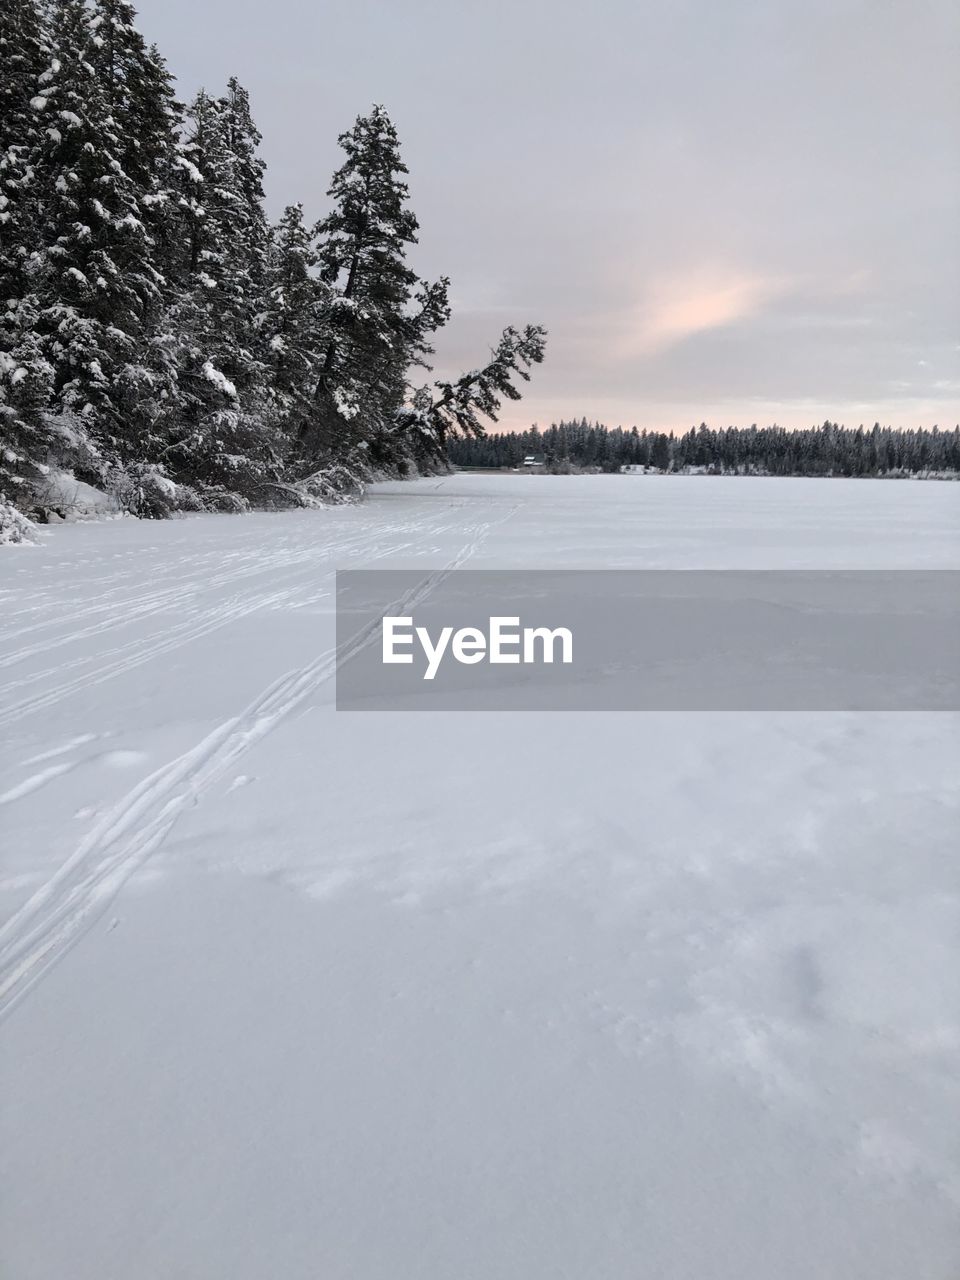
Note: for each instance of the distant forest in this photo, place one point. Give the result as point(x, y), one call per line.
point(830, 450)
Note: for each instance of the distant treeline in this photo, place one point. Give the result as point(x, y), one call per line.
point(818, 451)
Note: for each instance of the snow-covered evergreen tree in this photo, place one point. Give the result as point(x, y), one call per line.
point(223, 430)
point(98, 288)
point(26, 377)
point(143, 105)
point(295, 323)
point(156, 335)
point(381, 316)
point(460, 405)
point(24, 57)
point(146, 116)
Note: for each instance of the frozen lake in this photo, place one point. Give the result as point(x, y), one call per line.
point(286, 992)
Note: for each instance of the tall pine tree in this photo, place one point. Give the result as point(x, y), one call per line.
point(98, 288)
point(26, 377)
point(382, 316)
point(296, 318)
point(223, 430)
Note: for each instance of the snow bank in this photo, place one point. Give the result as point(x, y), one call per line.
point(14, 526)
point(67, 498)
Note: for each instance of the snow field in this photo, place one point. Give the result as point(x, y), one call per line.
point(291, 992)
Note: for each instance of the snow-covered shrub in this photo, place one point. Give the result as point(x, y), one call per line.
point(333, 485)
point(26, 380)
point(188, 500)
point(61, 495)
point(14, 525)
point(215, 497)
point(74, 449)
point(142, 490)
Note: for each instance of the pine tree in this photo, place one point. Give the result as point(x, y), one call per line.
point(26, 434)
point(26, 378)
point(97, 285)
point(461, 404)
point(24, 57)
point(381, 316)
point(295, 325)
point(142, 103)
point(223, 429)
point(140, 97)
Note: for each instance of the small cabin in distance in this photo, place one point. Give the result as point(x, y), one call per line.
point(532, 460)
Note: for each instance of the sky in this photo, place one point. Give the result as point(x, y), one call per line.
point(732, 212)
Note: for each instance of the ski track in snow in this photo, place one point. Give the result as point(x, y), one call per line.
point(63, 908)
point(104, 664)
point(34, 782)
point(190, 569)
point(64, 749)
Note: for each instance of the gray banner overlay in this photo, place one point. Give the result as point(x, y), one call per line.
point(648, 640)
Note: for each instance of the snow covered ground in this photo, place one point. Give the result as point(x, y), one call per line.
point(300, 994)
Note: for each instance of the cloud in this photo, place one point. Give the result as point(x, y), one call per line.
point(676, 307)
point(734, 251)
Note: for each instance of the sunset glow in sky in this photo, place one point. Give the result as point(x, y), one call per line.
point(739, 212)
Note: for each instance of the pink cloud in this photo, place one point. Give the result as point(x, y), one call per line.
point(675, 307)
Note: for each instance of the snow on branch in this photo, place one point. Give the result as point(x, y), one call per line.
point(477, 394)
